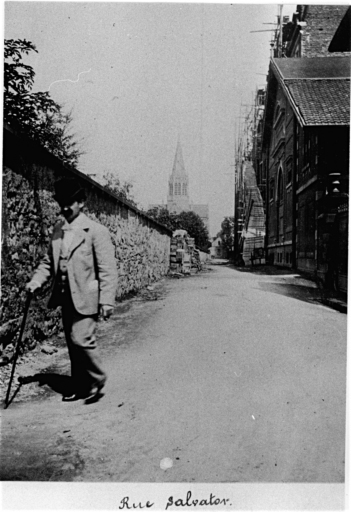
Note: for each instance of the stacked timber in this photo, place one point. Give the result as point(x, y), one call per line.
point(173, 255)
point(181, 254)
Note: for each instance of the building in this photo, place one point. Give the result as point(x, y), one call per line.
point(300, 145)
point(250, 186)
point(178, 185)
point(258, 117)
point(305, 148)
point(178, 199)
point(253, 228)
point(249, 220)
point(310, 31)
point(305, 152)
point(341, 41)
point(217, 250)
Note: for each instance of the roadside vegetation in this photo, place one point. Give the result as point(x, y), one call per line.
point(190, 221)
point(35, 114)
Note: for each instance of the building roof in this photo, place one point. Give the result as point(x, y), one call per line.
point(318, 88)
point(321, 102)
point(313, 67)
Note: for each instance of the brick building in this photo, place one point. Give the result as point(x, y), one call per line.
point(341, 41)
point(305, 153)
point(310, 31)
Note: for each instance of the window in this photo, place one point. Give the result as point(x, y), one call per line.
point(316, 149)
point(280, 196)
point(271, 190)
point(306, 148)
point(288, 167)
point(260, 97)
point(171, 189)
point(184, 189)
point(277, 111)
point(279, 124)
point(289, 171)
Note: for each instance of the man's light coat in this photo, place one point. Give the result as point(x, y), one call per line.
point(91, 266)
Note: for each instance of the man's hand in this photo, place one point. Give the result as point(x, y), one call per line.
point(32, 286)
point(106, 311)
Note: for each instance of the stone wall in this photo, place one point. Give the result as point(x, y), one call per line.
point(28, 214)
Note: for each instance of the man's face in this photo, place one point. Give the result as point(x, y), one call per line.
point(71, 211)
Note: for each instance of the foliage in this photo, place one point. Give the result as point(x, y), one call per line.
point(227, 233)
point(189, 221)
point(36, 115)
point(122, 190)
point(27, 224)
point(164, 217)
point(196, 228)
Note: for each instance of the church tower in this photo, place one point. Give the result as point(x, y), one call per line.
point(178, 192)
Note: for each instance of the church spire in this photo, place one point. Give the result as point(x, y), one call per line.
point(178, 194)
point(178, 165)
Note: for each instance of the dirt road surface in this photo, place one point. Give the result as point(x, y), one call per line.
point(235, 376)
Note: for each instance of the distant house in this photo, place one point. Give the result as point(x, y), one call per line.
point(217, 250)
point(305, 151)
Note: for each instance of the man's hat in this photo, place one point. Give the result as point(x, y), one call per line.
point(68, 190)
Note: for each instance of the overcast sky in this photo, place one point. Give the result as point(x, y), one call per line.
point(140, 75)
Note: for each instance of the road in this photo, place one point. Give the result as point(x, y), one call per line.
point(236, 376)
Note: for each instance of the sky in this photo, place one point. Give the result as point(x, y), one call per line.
point(140, 76)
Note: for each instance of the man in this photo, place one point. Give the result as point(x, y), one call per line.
point(81, 261)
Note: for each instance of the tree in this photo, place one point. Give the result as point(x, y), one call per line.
point(227, 233)
point(189, 221)
point(163, 216)
point(121, 190)
point(195, 227)
point(36, 115)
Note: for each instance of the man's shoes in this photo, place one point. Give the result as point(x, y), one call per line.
point(91, 397)
point(95, 394)
point(72, 398)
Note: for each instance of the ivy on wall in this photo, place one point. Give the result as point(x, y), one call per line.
point(28, 217)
